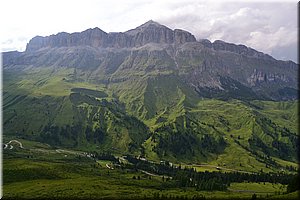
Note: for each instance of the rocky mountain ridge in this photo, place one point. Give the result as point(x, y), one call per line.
point(149, 32)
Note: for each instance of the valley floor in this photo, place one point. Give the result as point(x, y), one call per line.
point(36, 170)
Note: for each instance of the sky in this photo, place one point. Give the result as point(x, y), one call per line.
point(267, 26)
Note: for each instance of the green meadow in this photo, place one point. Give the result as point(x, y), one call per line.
point(58, 118)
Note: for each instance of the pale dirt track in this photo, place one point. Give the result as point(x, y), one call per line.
point(11, 146)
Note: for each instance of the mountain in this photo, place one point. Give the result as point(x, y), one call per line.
point(153, 91)
point(207, 67)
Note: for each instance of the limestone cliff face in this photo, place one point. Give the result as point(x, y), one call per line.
point(220, 45)
point(150, 32)
point(181, 36)
point(259, 76)
point(91, 37)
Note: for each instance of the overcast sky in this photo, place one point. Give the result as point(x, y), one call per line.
point(270, 27)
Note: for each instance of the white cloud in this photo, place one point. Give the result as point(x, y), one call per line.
point(264, 26)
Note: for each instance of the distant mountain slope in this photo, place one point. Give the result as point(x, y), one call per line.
point(156, 92)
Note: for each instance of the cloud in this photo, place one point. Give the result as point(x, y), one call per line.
point(267, 27)
point(13, 44)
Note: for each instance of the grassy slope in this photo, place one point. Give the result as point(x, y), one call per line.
point(29, 106)
point(239, 122)
point(259, 187)
point(157, 101)
point(47, 173)
point(283, 113)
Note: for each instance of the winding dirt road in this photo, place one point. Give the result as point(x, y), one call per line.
point(11, 146)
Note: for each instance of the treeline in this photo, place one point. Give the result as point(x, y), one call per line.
point(259, 157)
point(278, 148)
point(66, 135)
point(185, 142)
point(105, 156)
point(189, 177)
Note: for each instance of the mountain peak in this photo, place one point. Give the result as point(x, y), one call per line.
point(150, 23)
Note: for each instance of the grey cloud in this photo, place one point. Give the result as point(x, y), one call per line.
point(288, 52)
point(13, 44)
point(266, 27)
